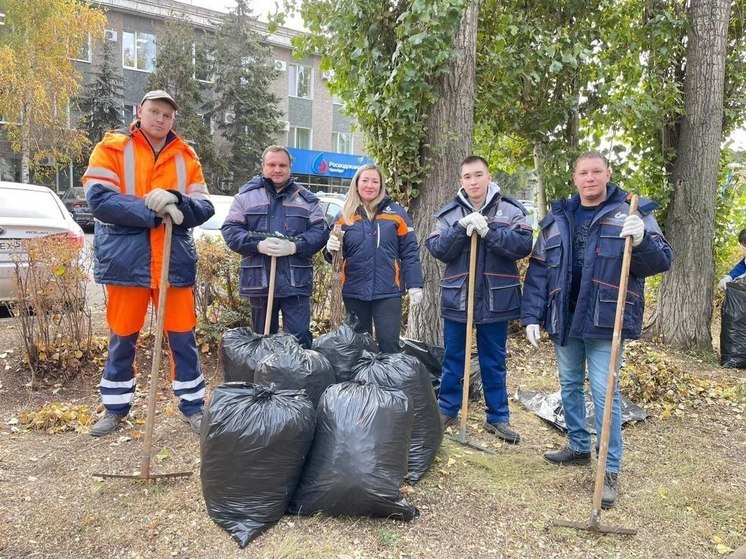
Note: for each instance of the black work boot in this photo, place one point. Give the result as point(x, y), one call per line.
point(448, 421)
point(567, 456)
point(503, 431)
point(608, 498)
point(107, 424)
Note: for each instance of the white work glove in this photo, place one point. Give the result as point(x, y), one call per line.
point(724, 281)
point(474, 221)
point(177, 216)
point(533, 333)
point(415, 295)
point(333, 244)
point(276, 247)
point(157, 199)
point(633, 227)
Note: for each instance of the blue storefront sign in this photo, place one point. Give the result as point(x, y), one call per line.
point(325, 163)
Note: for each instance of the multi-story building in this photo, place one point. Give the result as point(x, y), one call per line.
point(325, 148)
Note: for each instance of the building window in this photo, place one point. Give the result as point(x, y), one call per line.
point(84, 54)
point(300, 81)
point(129, 113)
point(299, 137)
point(342, 142)
point(138, 51)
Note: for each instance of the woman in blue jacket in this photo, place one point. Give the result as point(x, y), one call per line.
point(380, 258)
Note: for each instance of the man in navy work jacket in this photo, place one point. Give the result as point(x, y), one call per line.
point(571, 289)
point(274, 203)
point(505, 237)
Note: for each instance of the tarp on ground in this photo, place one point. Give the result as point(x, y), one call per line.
point(549, 408)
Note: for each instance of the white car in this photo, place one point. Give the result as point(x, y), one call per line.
point(211, 227)
point(28, 211)
point(332, 205)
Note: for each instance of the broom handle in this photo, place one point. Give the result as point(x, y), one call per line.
point(469, 325)
point(616, 343)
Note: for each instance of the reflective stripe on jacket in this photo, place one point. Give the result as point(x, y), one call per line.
point(128, 242)
point(549, 277)
point(380, 256)
point(497, 290)
point(293, 212)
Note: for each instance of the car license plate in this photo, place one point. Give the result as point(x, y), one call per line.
point(10, 244)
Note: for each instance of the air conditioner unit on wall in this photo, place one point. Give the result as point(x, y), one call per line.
point(110, 35)
point(284, 125)
point(229, 117)
point(281, 65)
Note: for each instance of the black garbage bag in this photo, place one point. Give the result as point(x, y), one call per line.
point(359, 456)
point(733, 328)
point(253, 449)
point(344, 346)
point(397, 370)
point(431, 356)
point(295, 369)
point(549, 408)
point(242, 349)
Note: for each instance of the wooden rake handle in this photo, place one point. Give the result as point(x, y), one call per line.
point(469, 327)
point(616, 343)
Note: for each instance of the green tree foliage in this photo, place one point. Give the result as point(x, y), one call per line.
point(182, 57)
point(100, 103)
point(38, 45)
point(385, 59)
point(244, 108)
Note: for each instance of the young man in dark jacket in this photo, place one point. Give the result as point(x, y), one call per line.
point(505, 237)
point(270, 204)
point(571, 289)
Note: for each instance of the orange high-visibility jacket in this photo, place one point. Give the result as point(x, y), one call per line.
point(128, 244)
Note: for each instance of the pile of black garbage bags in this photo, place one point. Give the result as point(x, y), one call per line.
point(335, 430)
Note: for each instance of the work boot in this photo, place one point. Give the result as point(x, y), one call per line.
point(448, 421)
point(608, 498)
point(567, 456)
point(194, 421)
point(503, 431)
point(107, 424)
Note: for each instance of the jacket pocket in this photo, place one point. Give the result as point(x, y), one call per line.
point(123, 252)
point(553, 313)
point(605, 312)
point(256, 219)
point(296, 220)
point(610, 244)
point(301, 273)
point(553, 252)
point(504, 292)
point(453, 292)
point(253, 275)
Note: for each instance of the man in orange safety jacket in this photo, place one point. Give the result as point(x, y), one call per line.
point(135, 177)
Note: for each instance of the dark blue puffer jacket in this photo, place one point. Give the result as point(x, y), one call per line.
point(547, 288)
point(497, 289)
point(381, 257)
point(293, 212)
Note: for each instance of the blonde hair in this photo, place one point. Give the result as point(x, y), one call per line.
point(353, 200)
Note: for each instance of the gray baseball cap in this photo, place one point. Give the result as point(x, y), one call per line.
point(160, 94)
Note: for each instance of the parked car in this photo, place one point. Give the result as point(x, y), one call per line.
point(531, 213)
point(211, 227)
point(332, 205)
point(28, 211)
point(76, 203)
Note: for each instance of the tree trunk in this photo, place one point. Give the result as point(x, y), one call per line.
point(541, 188)
point(449, 140)
point(685, 299)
